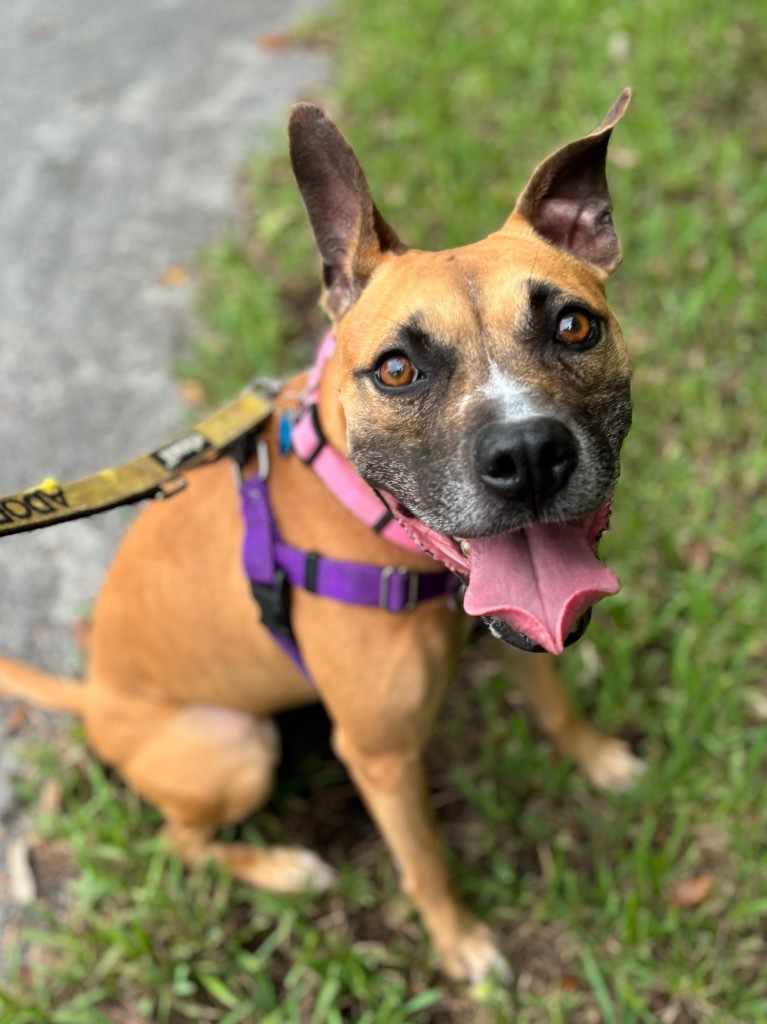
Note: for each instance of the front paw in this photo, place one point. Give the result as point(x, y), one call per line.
point(473, 956)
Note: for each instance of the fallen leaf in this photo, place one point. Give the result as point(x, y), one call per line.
point(273, 42)
point(51, 798)
point(53, 870)
point(16, 719)
point(192, 393)
point(698, 555)
point(757, 702)
point(174, 276)
point(690, 892)
point(568, 984)
point(21, 878)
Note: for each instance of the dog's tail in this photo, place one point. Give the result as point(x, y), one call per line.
point(18, 680)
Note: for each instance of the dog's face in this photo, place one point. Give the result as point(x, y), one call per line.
point(485, 389)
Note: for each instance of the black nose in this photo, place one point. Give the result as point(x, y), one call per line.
point(527, 462)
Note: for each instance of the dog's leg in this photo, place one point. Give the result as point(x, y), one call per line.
point(205, 767)
point(394, 788)
point(607, 762)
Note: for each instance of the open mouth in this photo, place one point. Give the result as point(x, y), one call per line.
point(534, 586)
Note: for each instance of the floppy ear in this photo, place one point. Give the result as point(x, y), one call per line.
point(351, 234)
point(567, 199)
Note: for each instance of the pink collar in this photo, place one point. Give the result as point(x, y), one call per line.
point(336, 472)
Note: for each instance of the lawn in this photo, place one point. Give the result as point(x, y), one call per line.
point(651, 906)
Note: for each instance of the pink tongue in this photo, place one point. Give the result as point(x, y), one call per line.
point(538, 580)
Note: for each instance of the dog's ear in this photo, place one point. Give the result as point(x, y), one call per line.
point(351, 234)
point(567, 199)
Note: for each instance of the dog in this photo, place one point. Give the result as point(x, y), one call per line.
point(476, 400)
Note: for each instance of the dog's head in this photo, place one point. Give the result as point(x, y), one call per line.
point(484, 389)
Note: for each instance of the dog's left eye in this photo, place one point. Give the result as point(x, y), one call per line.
point(396, 371)
point(574, 327)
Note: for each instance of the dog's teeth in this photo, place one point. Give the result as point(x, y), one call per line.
point(466, 548)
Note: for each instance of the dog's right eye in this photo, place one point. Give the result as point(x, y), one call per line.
point(396, 371)
point(575, 327)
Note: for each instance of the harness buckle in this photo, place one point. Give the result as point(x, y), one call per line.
point(384, 592)
point(274, 601)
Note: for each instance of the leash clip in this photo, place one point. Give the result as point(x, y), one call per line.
point(384, 592)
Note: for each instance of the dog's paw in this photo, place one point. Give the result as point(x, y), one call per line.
point(283, 869)
point(474, 957)
point(294, 869)
point(610, 765)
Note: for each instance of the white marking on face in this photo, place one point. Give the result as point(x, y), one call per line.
point(513, 399)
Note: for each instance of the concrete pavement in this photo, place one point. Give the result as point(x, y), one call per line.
point(122, 129)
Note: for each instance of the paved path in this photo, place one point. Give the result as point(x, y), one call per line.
point(122, 128)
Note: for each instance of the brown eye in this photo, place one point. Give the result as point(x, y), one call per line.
point(575, 327)
point(396, 372)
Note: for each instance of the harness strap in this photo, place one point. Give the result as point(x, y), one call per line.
point(274, 566)
point(268, 582)
point(391, 588)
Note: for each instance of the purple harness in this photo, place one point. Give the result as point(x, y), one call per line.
point(273, 567)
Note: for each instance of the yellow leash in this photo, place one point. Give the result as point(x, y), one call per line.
point(154, 475)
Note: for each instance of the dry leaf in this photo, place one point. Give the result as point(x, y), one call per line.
point(689, 892)
point(51, 798)
point(174, 276)
point(20, 875)
point(273, 42)
point(757, 703)
point(16, 719)
point(192, 393)
point(698, 554)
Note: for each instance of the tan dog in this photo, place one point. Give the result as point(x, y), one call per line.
point(483, 390)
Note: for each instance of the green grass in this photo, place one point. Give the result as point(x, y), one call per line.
point(449, 104)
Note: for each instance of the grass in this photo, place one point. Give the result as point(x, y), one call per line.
point(449, 104)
